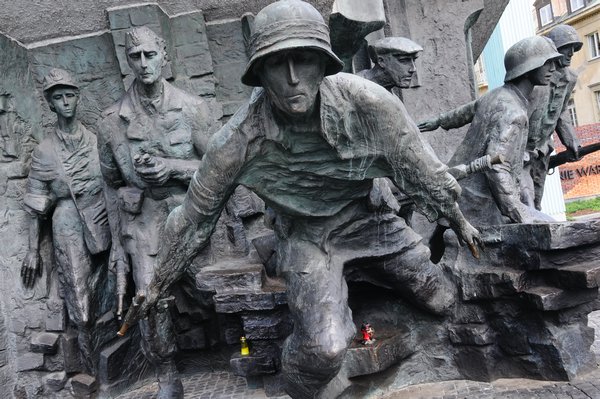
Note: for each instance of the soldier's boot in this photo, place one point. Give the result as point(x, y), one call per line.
point(159, 347)
point(169, 383)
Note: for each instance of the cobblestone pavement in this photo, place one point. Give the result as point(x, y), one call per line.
point(224, 385)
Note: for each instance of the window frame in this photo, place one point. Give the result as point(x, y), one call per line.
point(571, 9)
point(593, 42)
point(547, 6)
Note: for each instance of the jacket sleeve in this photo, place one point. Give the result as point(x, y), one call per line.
point(502, 183)
point(417, 171)
point(458, 117)
point(39, 198)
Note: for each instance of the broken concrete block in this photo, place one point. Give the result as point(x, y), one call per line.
point(55, 381)
point(44, 342)
point(264, 326)
point(56, 316)
point(112, 360)
point(30, 361)
point(551, 298)
point(83, 384)
point(71, 354)
point(231, 276)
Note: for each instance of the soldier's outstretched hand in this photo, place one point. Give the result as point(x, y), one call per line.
point(31, 269)
point(427, 126)
point(470, 235)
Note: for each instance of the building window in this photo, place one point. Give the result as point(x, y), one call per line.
point(572, 111)
point(546, 14)
point(597, 98)
point(576, 4)
point(594, 44)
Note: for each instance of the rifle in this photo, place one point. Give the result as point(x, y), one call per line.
point(567, 156)
point(132, 314)
point(479, 165)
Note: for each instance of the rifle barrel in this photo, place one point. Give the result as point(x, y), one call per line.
point(564, 157)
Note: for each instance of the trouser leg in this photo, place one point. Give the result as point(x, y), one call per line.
point(527, 186)
point(323, 327)
point(414, 276)
point(158, 337)
point(75, 270)
point(539, 170)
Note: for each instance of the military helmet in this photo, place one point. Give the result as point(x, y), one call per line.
point(398, 45)
point(563, 35)
point(289, 24)
point(58, 77)
point(528, 54)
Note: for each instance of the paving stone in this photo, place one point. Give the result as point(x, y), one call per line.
point(44, 342)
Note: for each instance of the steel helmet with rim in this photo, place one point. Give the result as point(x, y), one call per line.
point(289, 24)
point(564, 35)
point(528, 54)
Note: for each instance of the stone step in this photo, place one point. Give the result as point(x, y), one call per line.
point(586, 275)
point(231, 276)
point(553, 298)
point(389, 348)
point(267, 325)
point(253, 365)
point(273, 294)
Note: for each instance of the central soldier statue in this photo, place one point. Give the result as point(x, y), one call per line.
point(309, 142)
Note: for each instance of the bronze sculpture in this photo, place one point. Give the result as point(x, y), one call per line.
point(393, 61)
point(313, 162)
point(500, 127)
point(150, 144)
point(65, 184)
point(394, 67)
point(548, 113)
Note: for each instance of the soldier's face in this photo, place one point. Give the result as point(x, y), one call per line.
point(146, 61)
point(567, 52)
point(399, 67)
point(63, 101)
point(542, 75)
point(292, 79)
